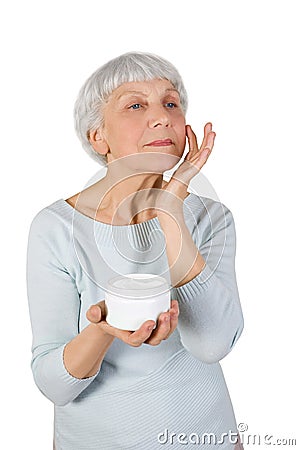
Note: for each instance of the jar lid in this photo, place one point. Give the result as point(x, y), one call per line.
point(137, 285)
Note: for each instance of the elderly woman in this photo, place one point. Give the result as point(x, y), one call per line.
point(162, 384)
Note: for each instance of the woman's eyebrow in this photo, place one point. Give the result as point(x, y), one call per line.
point(125, 93)
point(172, 90)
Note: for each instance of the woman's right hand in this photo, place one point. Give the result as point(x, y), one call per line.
point(146, 334)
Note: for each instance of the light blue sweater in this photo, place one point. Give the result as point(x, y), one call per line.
point(141, 395)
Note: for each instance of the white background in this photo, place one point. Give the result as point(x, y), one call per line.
point(240, 64)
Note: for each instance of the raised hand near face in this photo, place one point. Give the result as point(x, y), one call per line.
point(176, 188)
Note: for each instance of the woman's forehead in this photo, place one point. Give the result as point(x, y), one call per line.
point(143, 87)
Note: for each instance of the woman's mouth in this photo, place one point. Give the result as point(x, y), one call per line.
point(160, 143)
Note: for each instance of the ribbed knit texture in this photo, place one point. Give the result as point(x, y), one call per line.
point(140, 396)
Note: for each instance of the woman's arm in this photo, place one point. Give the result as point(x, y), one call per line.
point(200, 246)
point(211, 319)
point(64, 361)
point(54, 306)
point(184, 259)
point(84, 354)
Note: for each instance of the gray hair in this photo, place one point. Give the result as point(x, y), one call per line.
point(132, 66)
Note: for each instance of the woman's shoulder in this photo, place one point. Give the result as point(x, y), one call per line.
point(52, 218)
point(206, 217)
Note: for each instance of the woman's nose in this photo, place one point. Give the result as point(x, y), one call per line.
point(159, 117)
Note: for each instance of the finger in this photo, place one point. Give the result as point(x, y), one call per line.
point(138, 337)
point(166, 325)
point(174, 307)
point(208, 133)
point(161, 331)
point(201, 158)
point(207, 143)
point(204, 155)
point(192, 140)
point(94, 313)
point(207, 129)
point(174, 313)
point(132, 338)
point(210, 140)
point(166, 321)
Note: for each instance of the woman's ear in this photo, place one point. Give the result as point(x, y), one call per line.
point(98, 142)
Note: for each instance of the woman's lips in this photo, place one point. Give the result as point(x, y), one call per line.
point(160, 143)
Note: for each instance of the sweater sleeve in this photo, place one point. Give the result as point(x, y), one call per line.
point(54, 305)
point(211, 320)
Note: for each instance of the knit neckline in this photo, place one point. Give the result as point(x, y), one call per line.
point(104, 224)
point(139, 235)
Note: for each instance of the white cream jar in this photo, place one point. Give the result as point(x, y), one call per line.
point(134, 298)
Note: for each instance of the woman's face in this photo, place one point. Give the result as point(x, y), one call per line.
point(144, 117)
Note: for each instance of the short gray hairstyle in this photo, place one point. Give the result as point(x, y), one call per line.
point(131, 66)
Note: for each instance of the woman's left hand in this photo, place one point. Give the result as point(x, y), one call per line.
point(176, 188)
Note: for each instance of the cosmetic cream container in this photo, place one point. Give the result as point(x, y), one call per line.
point(134, 298)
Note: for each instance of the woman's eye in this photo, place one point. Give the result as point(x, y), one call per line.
point(135, 106)
point(171, 105)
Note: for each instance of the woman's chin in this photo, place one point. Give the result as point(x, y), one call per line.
point(156, 162)
point(145, 162)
